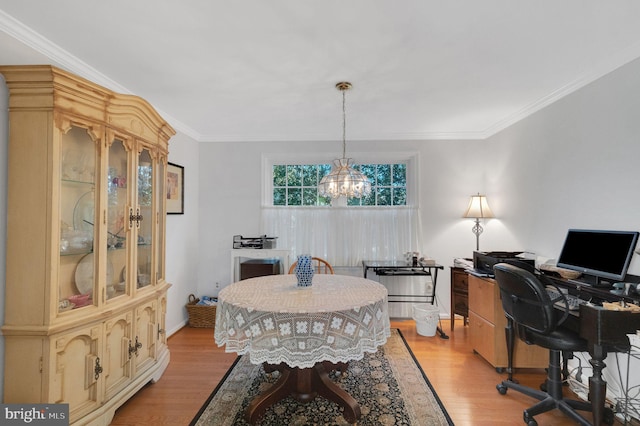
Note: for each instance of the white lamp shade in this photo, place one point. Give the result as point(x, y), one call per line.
point(478, 208)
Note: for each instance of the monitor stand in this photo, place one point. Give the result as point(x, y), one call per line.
point(592, 281)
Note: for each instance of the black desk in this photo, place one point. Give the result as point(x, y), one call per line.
point(402, 268)
point(605, 330)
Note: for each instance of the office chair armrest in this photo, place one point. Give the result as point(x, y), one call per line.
point(562, 298)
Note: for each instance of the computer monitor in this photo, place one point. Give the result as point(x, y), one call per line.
point(598, 254)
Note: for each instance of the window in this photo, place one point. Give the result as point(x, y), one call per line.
point(343, 231)
point(297, 185)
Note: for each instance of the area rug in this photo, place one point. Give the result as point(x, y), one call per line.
point(389, 385)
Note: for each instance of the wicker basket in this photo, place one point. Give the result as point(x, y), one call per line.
point(201, 316)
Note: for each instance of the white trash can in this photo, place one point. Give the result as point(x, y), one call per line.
point(426, 316)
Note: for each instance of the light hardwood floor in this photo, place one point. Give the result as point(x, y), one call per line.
point(465, 383)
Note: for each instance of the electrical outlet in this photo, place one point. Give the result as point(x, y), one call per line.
point(217, 284)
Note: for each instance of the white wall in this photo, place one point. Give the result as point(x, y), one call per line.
point(230, 182)
point(450, 171)
point(572, 165)
point(183, 234)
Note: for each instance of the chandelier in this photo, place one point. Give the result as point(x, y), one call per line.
point(344, 180)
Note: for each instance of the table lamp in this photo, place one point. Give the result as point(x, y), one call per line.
point(478, 209)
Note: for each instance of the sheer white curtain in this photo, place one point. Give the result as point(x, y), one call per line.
point(345, 235)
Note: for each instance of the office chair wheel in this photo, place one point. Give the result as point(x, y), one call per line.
point(502, 389)
point(529, 420)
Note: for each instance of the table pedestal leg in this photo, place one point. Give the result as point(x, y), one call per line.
point(340, 367)
point(303, 384)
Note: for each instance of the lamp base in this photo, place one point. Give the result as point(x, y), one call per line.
point(477, 229)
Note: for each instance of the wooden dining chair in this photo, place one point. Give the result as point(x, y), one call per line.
point(321, 266)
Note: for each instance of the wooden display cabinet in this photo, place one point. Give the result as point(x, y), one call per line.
point(487, 324)
point(86, 291)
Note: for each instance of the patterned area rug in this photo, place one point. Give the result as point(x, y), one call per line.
point(389, 385)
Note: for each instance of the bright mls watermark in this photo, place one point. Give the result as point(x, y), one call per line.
point(34, 414)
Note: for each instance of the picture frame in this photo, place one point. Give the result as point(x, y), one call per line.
point(175, 189)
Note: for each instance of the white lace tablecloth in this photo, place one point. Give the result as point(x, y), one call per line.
point(337, 319)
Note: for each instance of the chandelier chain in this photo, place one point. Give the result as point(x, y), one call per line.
point(344, 126)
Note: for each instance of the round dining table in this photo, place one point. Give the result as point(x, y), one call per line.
point(303, 332)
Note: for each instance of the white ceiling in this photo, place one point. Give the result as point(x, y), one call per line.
point(248, 70)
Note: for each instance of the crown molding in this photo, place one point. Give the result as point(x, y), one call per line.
point(612, 63)
point(55, 53)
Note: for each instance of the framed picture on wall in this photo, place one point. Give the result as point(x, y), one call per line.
point(175, 189)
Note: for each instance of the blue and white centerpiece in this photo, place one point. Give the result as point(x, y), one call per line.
point(304, 270)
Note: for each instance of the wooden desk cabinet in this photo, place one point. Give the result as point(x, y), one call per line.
point(487, 329)
point(459, 295)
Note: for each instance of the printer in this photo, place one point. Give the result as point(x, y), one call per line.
point(483, 261)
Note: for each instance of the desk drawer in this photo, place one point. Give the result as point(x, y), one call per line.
point(482, 298)
point(460, 282)
point(483, 337)
point(460, 304)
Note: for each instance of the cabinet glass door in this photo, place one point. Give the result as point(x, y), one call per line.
point(77, 277)
point(161, 196)
point(117, 202)
point(145, 229)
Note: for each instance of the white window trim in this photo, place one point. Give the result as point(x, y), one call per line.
point(411, 158)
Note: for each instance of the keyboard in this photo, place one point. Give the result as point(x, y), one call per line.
point(574, 302)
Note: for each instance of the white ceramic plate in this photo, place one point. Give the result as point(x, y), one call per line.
point(83, 213)
point(84, 274)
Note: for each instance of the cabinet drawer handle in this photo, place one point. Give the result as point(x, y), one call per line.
point(134, 348)
point(97, 369)
point(137, 217)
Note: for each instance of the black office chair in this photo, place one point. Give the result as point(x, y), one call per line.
point(531, 314)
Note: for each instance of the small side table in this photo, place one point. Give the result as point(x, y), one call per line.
point(459, 295)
